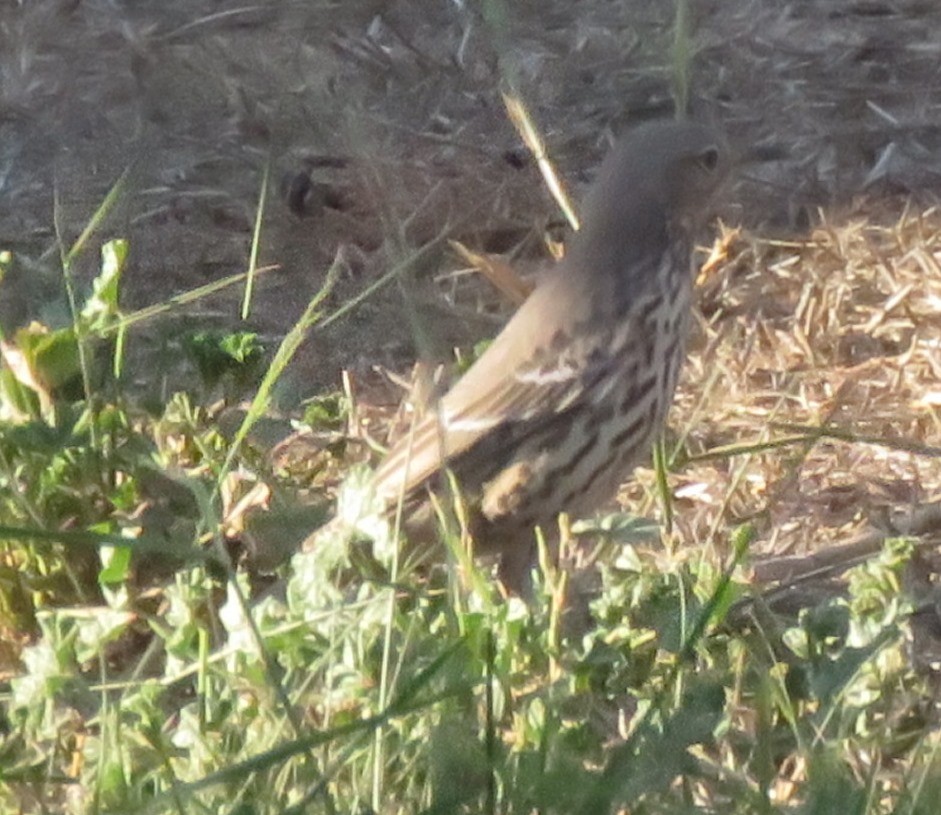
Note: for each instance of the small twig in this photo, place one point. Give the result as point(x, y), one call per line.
point(917, 521)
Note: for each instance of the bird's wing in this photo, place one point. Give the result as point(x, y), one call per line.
point(492, 417)
point(546, 357)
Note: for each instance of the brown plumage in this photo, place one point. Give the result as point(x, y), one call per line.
point(570, 395)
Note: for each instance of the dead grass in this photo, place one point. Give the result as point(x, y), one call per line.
point(835, 331)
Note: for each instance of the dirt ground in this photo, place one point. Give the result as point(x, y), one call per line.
point(394, 109)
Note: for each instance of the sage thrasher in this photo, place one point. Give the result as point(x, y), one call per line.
point(572, 392)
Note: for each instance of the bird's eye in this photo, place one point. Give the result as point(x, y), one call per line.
point(709, 158)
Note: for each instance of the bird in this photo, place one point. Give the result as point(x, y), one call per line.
point(570, 395)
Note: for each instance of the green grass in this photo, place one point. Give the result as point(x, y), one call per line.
point(146, 671)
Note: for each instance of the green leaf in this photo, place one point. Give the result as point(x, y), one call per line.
point(101, 307)
point(117, 566)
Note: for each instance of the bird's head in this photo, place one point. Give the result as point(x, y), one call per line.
point(674, 167)
point(658, 179)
